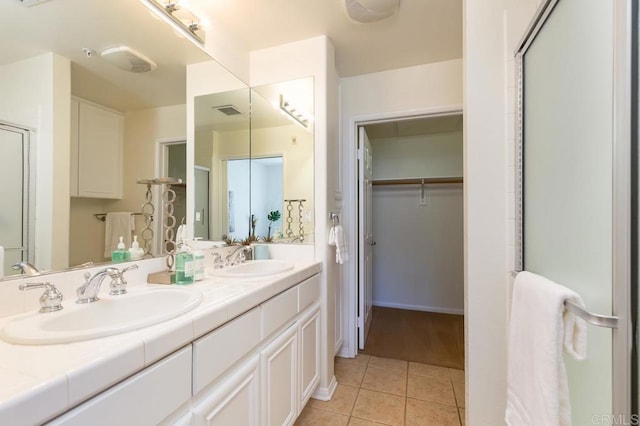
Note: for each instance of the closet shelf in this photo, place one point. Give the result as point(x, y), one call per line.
point(417, 181)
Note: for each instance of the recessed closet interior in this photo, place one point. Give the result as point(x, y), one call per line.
point(417, 211)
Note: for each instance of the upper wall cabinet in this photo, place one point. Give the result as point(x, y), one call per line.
point(96, 151)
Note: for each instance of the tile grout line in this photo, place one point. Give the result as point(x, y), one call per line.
point(406, 394)
point(455, 397)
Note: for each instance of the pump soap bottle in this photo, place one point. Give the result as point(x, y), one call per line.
point(120, 254)
point(136, 252)
point(184, 265)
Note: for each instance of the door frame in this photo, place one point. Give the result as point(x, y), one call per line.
point(623, 173)
point(349, 348)
point(161, 169)
point(208, 170)
point(28, 188)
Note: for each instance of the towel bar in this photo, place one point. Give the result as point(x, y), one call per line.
point(595, 319)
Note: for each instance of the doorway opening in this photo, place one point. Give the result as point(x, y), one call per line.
point(410, 240)
point(17, 193)
point(172, 162)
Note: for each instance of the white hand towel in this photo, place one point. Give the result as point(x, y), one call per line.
point(118, 224)
point(540, 327)
point(337, 239)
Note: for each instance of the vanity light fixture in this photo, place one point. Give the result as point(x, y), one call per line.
point(176, 14)
point(299, 116)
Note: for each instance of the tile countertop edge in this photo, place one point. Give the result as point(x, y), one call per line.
point(56, 388)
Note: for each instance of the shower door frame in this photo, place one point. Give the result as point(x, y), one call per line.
point(28, 189)
point(625, 228)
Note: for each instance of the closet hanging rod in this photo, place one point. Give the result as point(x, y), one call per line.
point(417, 181)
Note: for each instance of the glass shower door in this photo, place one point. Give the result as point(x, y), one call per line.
point(14, 193)
point(575, 180)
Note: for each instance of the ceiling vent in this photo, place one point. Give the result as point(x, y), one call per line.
point(367, 11)
point(128, 59)
point(227, 109)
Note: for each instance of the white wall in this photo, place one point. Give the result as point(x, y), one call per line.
point(489, 79)
point(36, 93)
point(418, 259)
point(431, 155)
point(365, 98)
point(315, 57)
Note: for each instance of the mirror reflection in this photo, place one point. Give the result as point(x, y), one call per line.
point(94, 127)
point(254, 164)
point(282, 160)
point(221, 193)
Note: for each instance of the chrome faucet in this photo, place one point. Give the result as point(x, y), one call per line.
point(26, 268)
point(88, 292)
point(51, 299)
point(217, 261)
point(240, 258)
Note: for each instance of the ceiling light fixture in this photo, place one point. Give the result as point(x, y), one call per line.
point(297, 115)
point(181, 18)
point(367, 11)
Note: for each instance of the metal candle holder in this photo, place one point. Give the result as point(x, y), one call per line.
point(289, 219)
point(169, 221)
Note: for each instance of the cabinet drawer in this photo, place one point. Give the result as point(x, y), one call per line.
point(144, 399)
point(308, 293)
point(220, 349)
point(278, 310)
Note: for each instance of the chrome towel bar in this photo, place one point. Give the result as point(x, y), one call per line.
point(605, 321)
point(595, 319)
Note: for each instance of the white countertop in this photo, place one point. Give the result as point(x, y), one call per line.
point(40, 382)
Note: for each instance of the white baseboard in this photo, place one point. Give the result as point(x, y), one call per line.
point(325, 394)
point(345, 352)
point(438, 310)
point(338, 346)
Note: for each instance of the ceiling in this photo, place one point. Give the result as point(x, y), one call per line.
point(67, 26)
point(423, 31)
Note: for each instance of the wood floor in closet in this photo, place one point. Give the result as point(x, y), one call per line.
point(425, 337)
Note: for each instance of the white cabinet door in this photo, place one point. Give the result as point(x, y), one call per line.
point(279, 372)
point(309, 359)
point(233, 401)
point(99, 151)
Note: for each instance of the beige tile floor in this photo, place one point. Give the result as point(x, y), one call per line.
point(382, 391)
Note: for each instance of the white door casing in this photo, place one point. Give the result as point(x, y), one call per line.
point(365, 236)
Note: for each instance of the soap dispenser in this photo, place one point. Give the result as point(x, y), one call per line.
point(184, 265)
point(136, 252)
point(120, 254)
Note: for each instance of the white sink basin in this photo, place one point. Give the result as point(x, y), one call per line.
point(110, 315)
point(253, 269)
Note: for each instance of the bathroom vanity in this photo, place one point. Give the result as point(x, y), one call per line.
point(248, 354)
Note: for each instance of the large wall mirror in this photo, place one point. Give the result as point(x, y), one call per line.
point(282, 173)
point(254, 164)
point(42, 54)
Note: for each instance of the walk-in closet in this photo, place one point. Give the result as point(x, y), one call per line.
point(416, 242)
